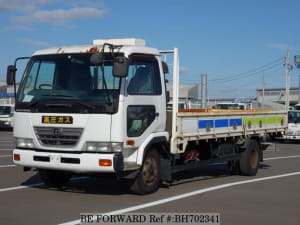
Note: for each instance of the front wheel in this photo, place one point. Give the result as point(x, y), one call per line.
point(54, 178)
point(149, 177)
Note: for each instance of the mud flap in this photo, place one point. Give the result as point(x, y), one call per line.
point(166, 171)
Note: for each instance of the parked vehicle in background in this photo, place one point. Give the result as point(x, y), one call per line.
point(189, 104)
point(181, 105)
point(293, 132)
point(6, 116)
point(297, 107)
point(232, 105)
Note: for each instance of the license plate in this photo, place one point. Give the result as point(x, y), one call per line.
point(57, 119)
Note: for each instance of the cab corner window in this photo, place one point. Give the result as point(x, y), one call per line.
point(139, 118)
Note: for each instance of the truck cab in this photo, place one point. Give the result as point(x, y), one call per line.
point(6, 115)
point(293, 131)
point(76, 113)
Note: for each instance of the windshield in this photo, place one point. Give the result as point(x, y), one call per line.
point(68, 83)
point(294, 117)
point(5, 110)
point(297, 107)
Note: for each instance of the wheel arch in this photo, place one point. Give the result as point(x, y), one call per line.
point(159, 141)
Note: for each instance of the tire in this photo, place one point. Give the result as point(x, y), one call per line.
point(149, 177)
point(249, 161)
point(54, 178)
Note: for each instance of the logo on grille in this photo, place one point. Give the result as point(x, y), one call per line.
point(57, 132)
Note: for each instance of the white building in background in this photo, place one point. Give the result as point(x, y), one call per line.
point(6, 94)
point(275, 97)
point(188, 95)
point(186, 91)
point(270, 98)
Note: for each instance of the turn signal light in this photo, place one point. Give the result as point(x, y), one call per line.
point(105, 162)
point(17, 157)
point(130, 142)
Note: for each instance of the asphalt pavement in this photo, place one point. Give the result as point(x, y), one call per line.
point(271, 197)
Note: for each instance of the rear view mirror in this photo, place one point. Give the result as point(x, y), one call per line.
point(120, 67)
point(11, 75)
point(165, 67)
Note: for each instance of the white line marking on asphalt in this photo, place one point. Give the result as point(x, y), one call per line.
point(3, 156)
point(4, 166)
point(20, 187)
point(186, 195)
point(284, 157)
point(34, 185)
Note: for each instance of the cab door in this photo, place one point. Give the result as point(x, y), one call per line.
point(145, 102)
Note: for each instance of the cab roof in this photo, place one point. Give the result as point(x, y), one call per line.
point(129, 46)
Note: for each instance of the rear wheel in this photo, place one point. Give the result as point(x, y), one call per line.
point(249, 162)
point(54, 178)
point(149, 178)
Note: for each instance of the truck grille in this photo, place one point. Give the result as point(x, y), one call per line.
point(58, 135)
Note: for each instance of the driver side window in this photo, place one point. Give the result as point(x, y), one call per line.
point(144, 77)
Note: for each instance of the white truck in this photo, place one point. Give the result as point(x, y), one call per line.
point(101, 109)
point(232, 105)
point(293, 131)
point(6, 116)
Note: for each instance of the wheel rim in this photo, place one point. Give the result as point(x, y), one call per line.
point(254, 159)
point(150, 171)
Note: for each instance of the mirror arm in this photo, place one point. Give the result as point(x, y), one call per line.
point(20, 58)
point(15, 65)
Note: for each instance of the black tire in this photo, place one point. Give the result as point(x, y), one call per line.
point(249, 161)
point(54, 178)
point(149, 177)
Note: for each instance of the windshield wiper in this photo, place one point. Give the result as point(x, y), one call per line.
point(31, 104)
point(58, 95)
point(70, 100)
point(65, 105)
point(87, 105)
point(69, 104)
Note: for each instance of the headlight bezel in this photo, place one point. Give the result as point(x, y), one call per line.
point(25, 143)
point(104, 147)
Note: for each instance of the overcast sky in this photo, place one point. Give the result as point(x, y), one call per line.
point(232, 41)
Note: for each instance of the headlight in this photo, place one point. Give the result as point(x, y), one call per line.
point(24, 143)
point(104, 146)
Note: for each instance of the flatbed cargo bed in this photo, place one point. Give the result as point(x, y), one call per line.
point(205, 124)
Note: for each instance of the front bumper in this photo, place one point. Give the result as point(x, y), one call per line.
point(78, 163)
point(289, 137)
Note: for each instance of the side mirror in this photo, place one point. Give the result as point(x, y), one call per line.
point(165, 67)
point(11, 75)
point(120, 67)
point(168, 98)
